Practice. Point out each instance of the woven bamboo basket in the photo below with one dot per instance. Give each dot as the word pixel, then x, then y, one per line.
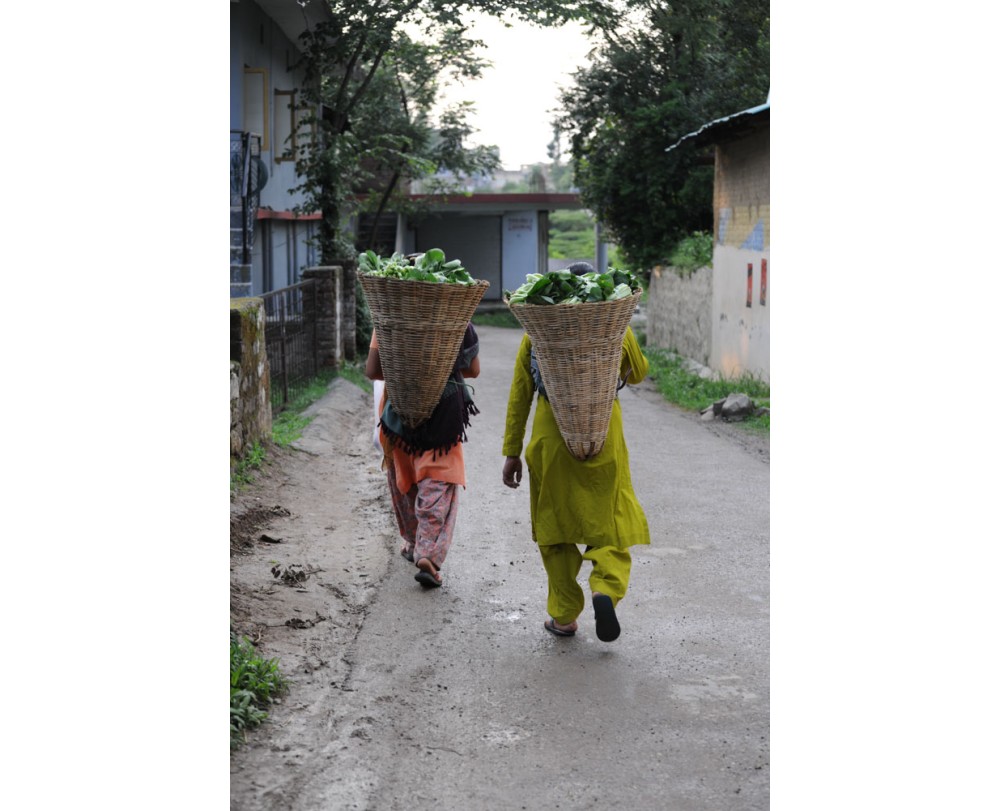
pixel 420 326
pixel 579 351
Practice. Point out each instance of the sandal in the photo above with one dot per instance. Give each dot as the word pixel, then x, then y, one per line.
pixel 605 619
pixel 428 576
pixel 550 626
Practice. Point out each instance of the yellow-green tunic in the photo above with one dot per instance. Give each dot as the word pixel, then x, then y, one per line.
pixel 579 502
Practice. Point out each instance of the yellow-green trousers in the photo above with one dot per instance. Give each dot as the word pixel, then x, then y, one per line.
pixel 562 562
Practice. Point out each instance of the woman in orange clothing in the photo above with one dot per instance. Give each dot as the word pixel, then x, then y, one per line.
pixel 425 466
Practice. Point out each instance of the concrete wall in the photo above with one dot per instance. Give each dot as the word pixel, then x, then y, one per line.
pixel 741 285
pixel 679 312
pixel 521 239
pixel 474 239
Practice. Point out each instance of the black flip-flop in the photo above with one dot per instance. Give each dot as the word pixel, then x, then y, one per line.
pixel 407 555
pixel 427 580
pixel 550 626
pixel 608 628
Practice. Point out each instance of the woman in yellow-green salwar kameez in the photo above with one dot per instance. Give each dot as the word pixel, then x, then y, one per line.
pixel 576 503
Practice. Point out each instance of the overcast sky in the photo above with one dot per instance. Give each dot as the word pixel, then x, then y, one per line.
pixel 514 97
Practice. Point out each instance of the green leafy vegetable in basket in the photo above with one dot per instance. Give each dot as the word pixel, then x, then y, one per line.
pixel 425 267
pixel 565 287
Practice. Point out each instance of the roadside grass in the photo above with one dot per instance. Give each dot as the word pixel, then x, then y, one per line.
pixel 243 474
pixel 289 424
pixel 356 374
pixel 497 318
pixel 688 390
pixel 254 683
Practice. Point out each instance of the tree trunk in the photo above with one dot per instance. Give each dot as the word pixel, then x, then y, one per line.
pixel 328 233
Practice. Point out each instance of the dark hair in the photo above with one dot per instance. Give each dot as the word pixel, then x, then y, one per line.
pixel 579 268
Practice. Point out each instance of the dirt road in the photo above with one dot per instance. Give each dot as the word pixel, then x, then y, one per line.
pixel 456 698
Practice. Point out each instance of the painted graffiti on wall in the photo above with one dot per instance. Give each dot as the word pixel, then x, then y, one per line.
pixel 744 227
pixel 755 239
pixel 763 283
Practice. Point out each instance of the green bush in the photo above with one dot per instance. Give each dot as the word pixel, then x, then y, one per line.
pixel 692 252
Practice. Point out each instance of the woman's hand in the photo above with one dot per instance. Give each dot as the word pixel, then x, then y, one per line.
pixel 472 370
pixel 512 471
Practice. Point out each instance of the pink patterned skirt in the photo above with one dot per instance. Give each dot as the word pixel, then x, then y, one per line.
pixel 426 516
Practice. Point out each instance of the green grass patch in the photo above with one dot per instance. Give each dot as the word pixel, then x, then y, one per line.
pixel 497 318
pixel 312 391
pixel 288 425
pixel 759 425
pixel 356 374
pixel 243 474
pixel 253 684
pixel 694 393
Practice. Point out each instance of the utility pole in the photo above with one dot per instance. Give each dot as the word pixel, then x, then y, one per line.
pixel 600 250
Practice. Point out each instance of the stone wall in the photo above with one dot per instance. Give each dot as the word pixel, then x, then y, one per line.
pixel 679 312
pixel 329 317
pixel 348 319
pixel 249 377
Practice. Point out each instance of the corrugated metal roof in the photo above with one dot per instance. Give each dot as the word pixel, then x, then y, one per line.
pixel 725 125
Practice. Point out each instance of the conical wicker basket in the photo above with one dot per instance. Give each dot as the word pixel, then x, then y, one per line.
pixel 420 326
pixel 579 351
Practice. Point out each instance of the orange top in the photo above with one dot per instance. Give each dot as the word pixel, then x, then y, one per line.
pixel 410 469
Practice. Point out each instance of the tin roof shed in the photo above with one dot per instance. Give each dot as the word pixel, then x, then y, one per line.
pixel 727 127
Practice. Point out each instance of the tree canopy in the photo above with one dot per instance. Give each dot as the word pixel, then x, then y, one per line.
pixel 373 72
pixel 662 74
